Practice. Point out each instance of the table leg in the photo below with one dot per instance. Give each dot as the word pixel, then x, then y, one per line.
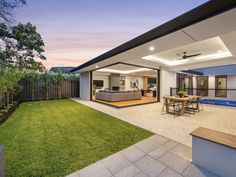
pixel 183 108
pixel 167 105
pixel 198 105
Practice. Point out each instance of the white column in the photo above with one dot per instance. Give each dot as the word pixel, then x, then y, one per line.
pixel 167 80
pixel 85 85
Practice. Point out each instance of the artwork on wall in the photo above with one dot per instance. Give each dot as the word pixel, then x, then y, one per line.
pixel 134 83
pixel 221 86
pixel 202 85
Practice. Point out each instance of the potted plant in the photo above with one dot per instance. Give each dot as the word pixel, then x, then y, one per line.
pixel 182 92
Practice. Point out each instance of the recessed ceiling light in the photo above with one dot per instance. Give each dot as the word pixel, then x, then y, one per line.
pixel 151 48
pixel 96 66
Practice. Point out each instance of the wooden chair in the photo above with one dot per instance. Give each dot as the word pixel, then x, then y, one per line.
pixel 175 107
pixel 197 105
pixel 190 106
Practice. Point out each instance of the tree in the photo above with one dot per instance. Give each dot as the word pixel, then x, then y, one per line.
pixel 9 82
pixel 7 8
pixel 46 76
pixel 3 83
pixel 15 75
pixel 22 47
pixel 57 79
pixel 32 77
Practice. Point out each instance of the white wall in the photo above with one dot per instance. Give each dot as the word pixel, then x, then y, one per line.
pixel 85 85
pixel 105 79
pixel 167 80
pixel 211 82
pixel 211 85
pixel 129 78
pixel 231 84
pixel 231 81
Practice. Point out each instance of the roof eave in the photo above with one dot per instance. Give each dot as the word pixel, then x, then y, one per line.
pixel 200 13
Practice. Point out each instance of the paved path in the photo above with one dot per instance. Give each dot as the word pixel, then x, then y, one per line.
pixel 156 156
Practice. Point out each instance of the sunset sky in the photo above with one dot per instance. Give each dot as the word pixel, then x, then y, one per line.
pixel 76 31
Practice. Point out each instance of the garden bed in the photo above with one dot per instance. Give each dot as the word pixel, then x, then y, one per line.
pixel 6 112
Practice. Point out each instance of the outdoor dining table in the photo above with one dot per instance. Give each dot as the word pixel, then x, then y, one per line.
pixel 183 101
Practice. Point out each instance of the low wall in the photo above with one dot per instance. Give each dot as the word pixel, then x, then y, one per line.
pixel 214 151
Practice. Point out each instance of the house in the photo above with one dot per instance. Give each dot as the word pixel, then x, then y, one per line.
pixel 171 55
pixel 63 69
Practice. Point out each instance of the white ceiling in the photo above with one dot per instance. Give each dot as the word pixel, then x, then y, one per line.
pixel 124 69
pixel 209 49
pixel 207 37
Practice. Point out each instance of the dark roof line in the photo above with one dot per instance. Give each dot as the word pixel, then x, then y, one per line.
pixel 200 13
pixel 192 72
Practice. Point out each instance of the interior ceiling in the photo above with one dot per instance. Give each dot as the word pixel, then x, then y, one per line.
pixel 209 37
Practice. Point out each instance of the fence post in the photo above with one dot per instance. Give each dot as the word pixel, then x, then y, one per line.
pixel 1 162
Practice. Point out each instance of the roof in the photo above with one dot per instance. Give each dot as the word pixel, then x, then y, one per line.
pixel 61 69
pixel 200 13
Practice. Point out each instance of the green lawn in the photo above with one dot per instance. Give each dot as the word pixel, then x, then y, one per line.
pixel 56 138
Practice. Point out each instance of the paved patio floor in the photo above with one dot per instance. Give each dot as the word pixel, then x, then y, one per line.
pixel 149 116
pixel 156 156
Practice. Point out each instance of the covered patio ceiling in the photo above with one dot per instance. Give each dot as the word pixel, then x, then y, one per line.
pixel 125 69
pixel 214 39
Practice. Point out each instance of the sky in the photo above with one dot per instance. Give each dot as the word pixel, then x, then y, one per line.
pixel 75 31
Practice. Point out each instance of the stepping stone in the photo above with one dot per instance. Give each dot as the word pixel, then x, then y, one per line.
pixel 158 139
pixel 115 163
pixel 95 170
pixel 146 146
pixel 169 173
pixel 158 152
pixel 129 171
pixel 183 151
pixel 141 174
pixel 132 153
pixel 174 162
pixel 150 166
pixel 170 144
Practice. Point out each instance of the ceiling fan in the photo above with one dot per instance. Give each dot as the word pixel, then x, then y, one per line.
pixel 185 56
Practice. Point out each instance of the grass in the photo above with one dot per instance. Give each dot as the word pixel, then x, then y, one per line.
pixel 58 137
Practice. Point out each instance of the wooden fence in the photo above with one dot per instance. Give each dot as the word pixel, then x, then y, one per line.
pixel 67 89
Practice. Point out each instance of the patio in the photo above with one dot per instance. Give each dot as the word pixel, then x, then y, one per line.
pixel 155 156
pixel 149 116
